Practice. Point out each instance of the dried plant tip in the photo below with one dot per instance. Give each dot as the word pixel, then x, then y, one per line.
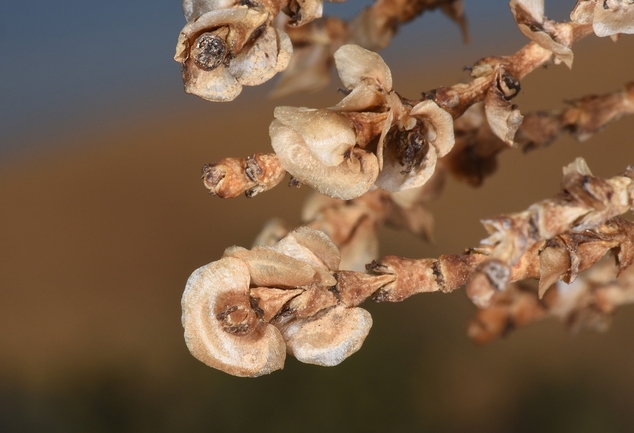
pixel 231 177
pixel 226 178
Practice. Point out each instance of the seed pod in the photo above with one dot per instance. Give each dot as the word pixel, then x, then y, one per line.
pixel 350 179
pixel 221 328
pixel 223 49
pixel 330 337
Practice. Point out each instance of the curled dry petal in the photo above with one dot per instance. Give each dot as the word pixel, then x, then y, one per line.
pixel 356 66
pixel 330 337
pixel 556 37
pixel 327 134
pixel 221 329
pixel 503 117
pixel 269 55
pixel 350 179
pixel 304 240
pixel 441 124
pixel 271 268
pixel 608 17
pixel 304 11
pixel 195 8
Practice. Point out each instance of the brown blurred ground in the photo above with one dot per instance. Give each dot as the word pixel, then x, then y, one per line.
pixel 99 236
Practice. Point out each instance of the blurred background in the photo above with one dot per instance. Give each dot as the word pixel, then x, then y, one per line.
pixel 103 217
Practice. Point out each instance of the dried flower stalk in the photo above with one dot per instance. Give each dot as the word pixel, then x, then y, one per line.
pixel 315 43
pixel 375 158
pixel 587 303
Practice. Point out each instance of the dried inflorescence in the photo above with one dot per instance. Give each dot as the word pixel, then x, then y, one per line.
pixel 373 137
pixel 242 313
pixel 585 203
pixel 227 44
pixel 474 156
pixel 587 303
pixel 377 158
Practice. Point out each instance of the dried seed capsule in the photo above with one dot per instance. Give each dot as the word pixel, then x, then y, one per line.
pixel 221 328
pixel 209 51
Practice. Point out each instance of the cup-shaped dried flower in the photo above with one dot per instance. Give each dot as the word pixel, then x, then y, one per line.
pixel 242 312
pixel 340 151
pixel 222 329
pixel 226 48
pixel 413 146
pixel 608 17
pixel 318 148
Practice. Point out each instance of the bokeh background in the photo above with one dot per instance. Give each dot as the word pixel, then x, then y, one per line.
pixel 103 217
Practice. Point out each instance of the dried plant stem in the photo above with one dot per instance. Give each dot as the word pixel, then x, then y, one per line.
pixel 503 72
pixel 587 304
pixel 545 259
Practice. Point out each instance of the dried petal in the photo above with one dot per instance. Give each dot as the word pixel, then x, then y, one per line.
pixel 357 66
pixel 269 54
pixel 249 352
pixel 556 37
pixel 329 338
pixel 338 181
pixel 608 17
pixel 441 122
pixel 327 134
pixel 195 8
pixel 503 117
pixel 270 268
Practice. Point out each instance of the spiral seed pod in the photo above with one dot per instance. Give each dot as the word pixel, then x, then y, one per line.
pixel 222 329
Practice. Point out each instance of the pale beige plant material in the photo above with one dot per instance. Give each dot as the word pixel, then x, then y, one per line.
pixel 608 17
pixel 585 202
pixel 377 158
pixel 242 313
pixel 353 225
pixel 373 137
pixel 226 45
